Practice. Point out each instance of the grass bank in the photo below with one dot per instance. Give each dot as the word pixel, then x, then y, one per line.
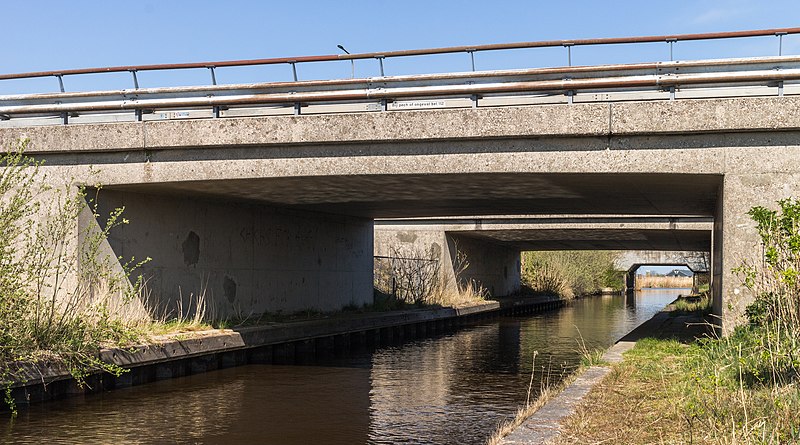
pixel 669 392
pixel 740 389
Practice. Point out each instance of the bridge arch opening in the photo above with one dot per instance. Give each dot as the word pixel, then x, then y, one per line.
pixel 666 275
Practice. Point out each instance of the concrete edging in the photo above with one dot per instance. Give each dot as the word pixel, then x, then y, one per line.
pixel 277 343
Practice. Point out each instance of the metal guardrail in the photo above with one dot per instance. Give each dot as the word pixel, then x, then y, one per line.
pixel 568 84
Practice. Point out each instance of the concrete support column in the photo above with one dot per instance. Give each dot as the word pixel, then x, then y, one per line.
pixel 630 280
pixel 735 236
pixel 244 258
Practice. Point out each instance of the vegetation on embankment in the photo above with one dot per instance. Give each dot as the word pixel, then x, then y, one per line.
pixel 743 388
pixel 413 277
pixel 61 298
pixel 570 273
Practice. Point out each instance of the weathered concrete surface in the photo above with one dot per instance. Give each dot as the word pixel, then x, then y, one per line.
pixel 245 258
pixel 495 268
pixel 591 119
pixel 738 239
pixel 694 260
pixel 713 158
pixel 491 266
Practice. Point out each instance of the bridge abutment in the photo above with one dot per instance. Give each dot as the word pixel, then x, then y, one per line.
pixel 735 237
pixel 244 258
pixel 463 260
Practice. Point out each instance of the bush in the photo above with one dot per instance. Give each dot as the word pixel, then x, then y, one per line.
pixel 570 273
pixel 61 299
pixel 773 352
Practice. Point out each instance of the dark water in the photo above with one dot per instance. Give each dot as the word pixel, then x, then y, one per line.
pixel 451 389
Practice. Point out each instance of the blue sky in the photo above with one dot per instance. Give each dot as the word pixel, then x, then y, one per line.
pixel 48 35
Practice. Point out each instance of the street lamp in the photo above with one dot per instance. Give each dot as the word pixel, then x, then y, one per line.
pixel 352 62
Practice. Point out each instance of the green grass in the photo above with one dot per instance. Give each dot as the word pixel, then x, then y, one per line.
pixel 669 392
pixel 702 305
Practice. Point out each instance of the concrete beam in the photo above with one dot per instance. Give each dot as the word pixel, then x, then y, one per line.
pixel 696 261
pixel 573 233
pixel 588 119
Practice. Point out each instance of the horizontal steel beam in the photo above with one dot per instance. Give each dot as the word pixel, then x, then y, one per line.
pixel 658 81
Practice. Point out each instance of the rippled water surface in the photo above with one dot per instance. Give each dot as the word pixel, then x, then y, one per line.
pixel 449 389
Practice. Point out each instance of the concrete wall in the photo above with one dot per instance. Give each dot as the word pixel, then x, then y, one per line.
pixel 739 241
pixel 490 265
pixel 249 258
pixel 495 267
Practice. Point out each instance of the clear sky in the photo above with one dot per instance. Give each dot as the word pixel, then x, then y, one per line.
pixel 49 35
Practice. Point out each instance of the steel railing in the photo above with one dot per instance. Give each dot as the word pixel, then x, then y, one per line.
pixel 378 92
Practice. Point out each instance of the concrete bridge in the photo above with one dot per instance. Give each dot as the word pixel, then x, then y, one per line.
pixel 271 211
pixel 493 244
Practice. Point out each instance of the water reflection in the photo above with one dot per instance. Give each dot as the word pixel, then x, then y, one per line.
pixel 451 389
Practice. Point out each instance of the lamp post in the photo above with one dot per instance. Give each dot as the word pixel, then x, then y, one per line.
pixel 352 62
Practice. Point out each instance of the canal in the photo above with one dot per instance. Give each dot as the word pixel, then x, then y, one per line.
pixel 453 388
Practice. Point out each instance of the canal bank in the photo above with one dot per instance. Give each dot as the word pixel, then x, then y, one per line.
pixel 545 425
pixel 288 343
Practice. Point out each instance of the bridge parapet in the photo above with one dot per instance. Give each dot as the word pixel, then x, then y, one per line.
pixel 668 80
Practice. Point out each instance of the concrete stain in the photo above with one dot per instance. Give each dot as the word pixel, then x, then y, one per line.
pixel 229 288
pixel 191 249
pixel 406 237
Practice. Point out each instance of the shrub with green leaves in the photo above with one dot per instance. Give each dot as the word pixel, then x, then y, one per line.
pixel 773 352
pixel 60 295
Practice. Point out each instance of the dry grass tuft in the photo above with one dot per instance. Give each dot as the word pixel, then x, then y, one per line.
pixel 646 282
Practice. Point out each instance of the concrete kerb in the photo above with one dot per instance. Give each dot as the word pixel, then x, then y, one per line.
pixel 229 347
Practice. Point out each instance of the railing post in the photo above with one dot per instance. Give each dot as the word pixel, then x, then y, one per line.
pixel 569 46
pixel 135 80
pixel 294 70
pixel 213 75
pixel 780 35
pixel 474 99
pixel 60 82
pixel 472 57
pixel 671 41
pixel 137 113
pixel 380 64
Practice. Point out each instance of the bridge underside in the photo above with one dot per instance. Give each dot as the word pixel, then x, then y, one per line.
pixel 469 193
pixel 598 239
